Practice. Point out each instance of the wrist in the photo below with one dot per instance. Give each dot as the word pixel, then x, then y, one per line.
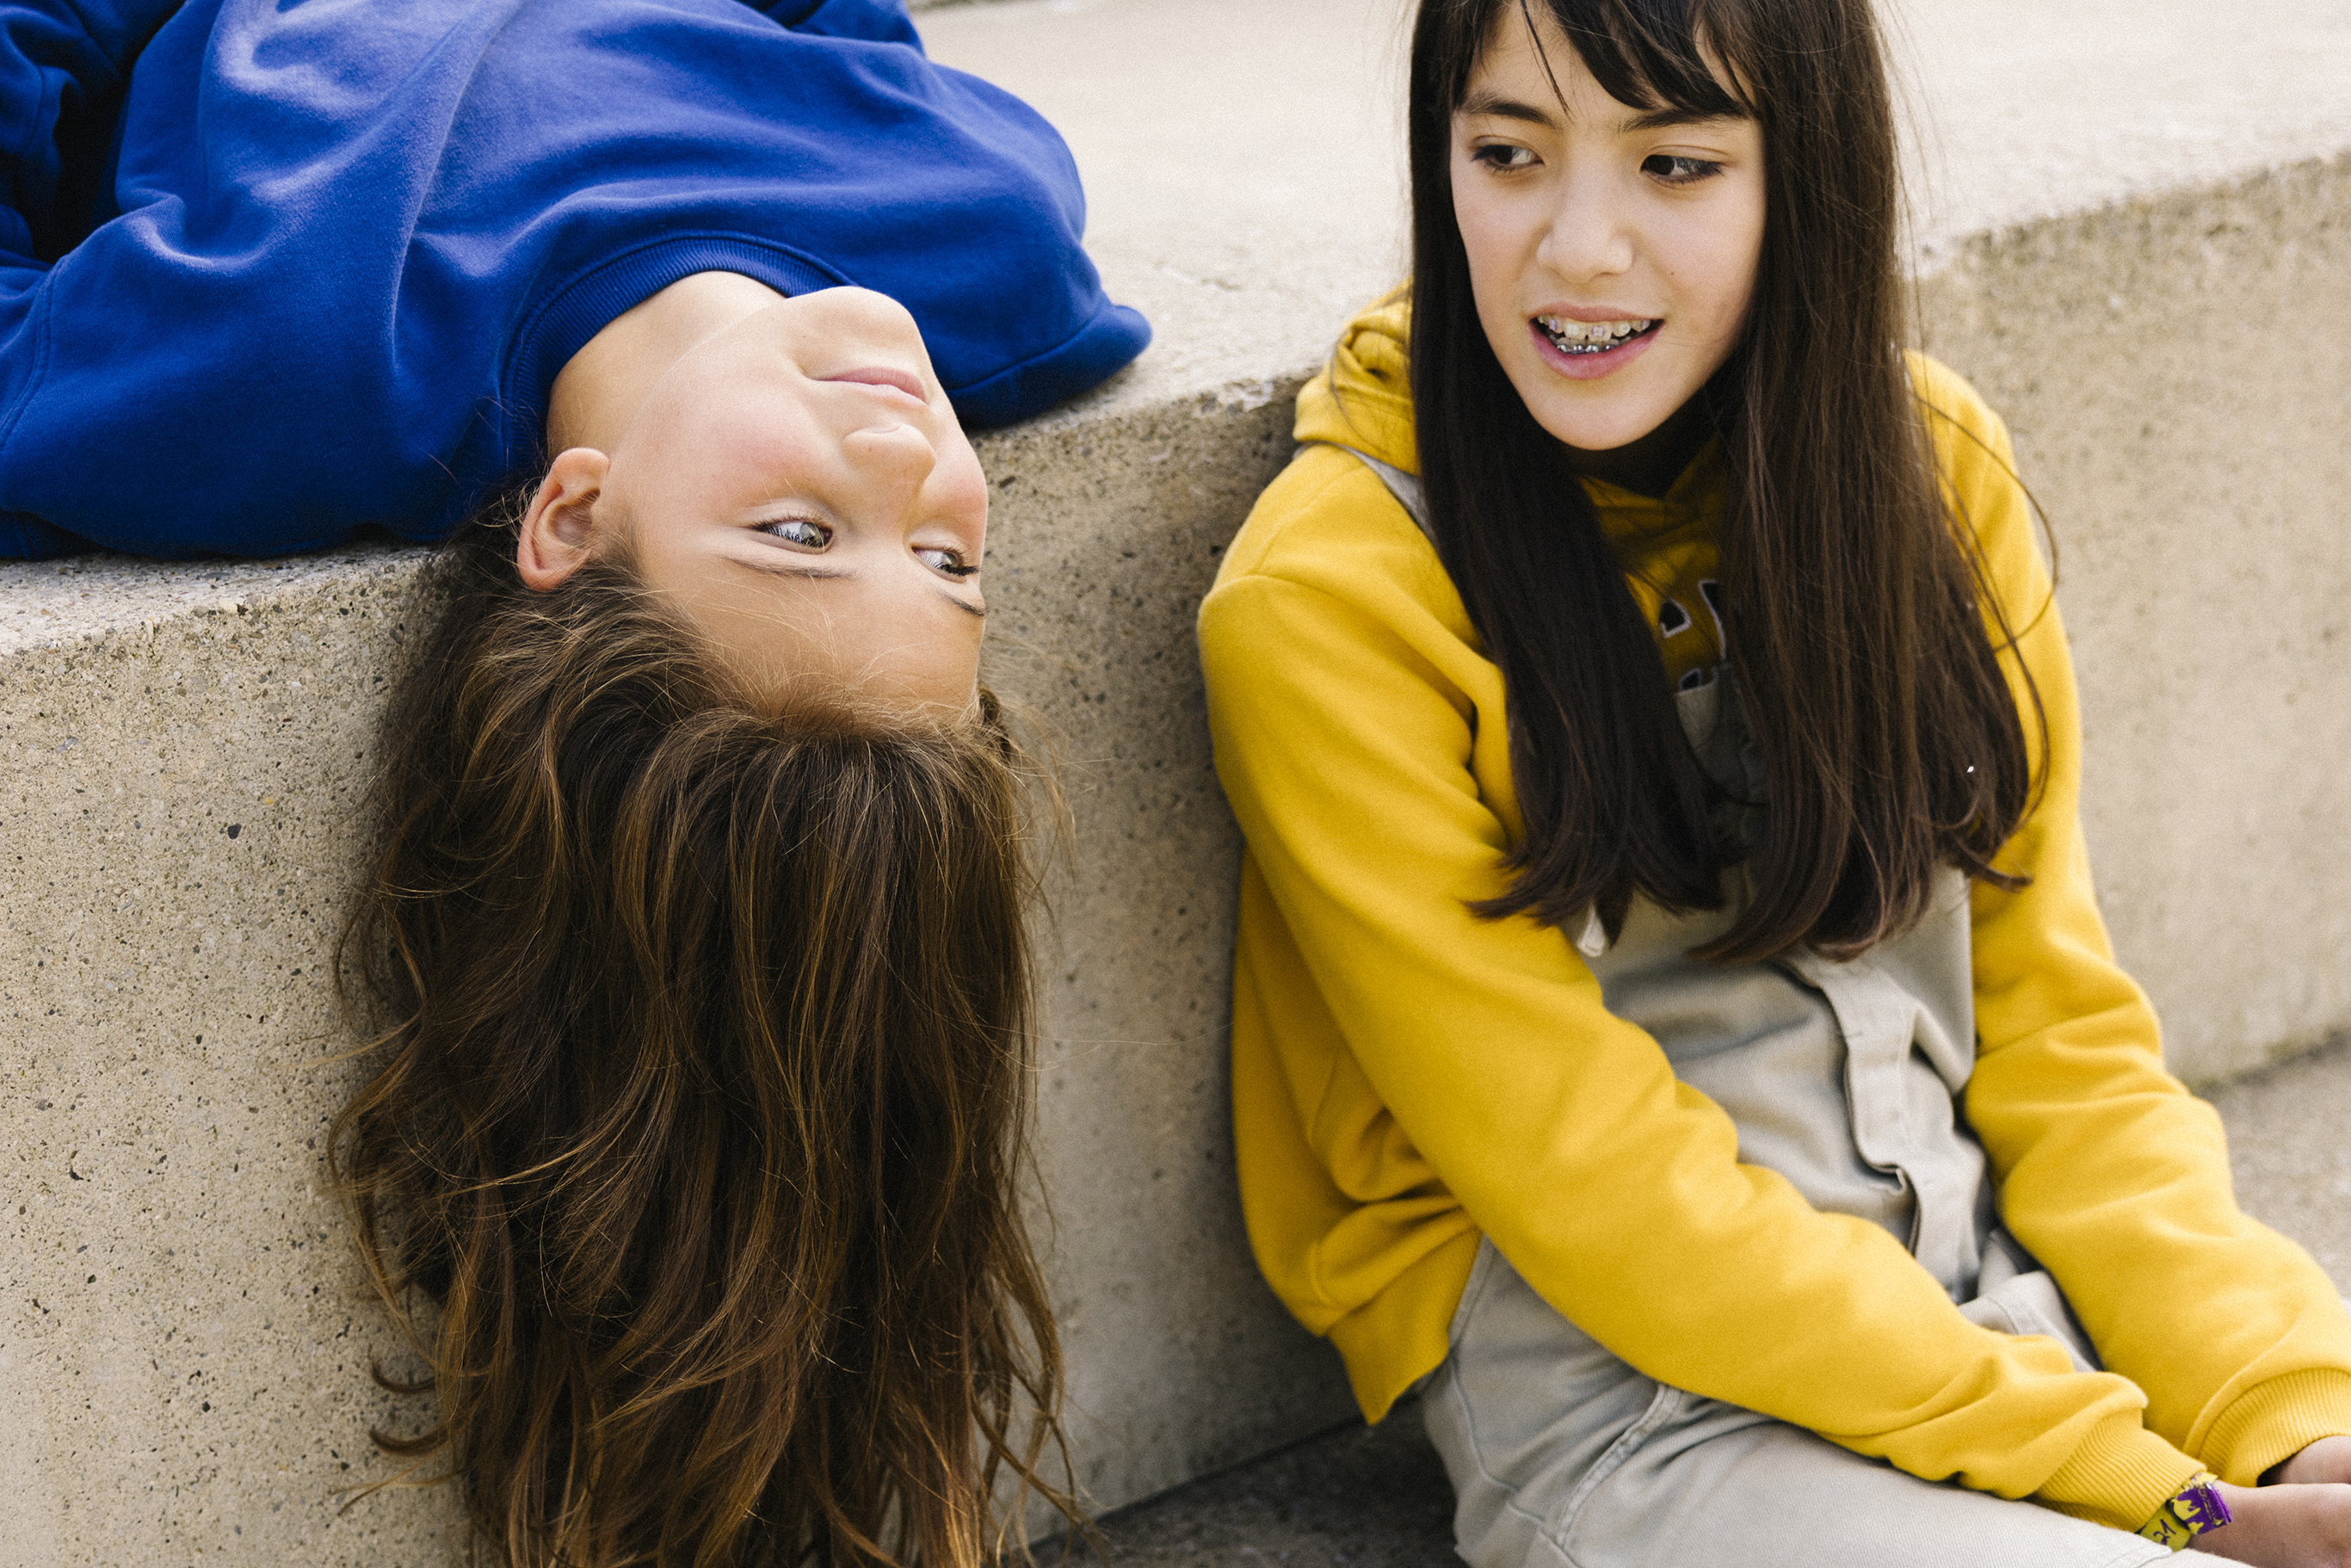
pixel 2188 1512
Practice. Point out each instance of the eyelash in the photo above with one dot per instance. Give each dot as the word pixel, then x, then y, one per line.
pixel 947 562
pixel 1494 156
pixel 1696 168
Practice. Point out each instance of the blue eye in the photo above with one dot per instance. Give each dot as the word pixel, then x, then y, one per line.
pixel 799 531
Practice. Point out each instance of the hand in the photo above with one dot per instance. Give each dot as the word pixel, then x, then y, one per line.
pixel 2328 1460
pixel 2306 1526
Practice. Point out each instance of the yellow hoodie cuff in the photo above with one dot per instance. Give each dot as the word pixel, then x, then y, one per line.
pixel 2119 1476
pixel 2275 1420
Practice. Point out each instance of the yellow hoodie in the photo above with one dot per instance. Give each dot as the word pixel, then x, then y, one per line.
pixel 1408 1077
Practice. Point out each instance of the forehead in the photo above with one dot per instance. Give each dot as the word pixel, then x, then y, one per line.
pixel 1662 60
pixel 1538 67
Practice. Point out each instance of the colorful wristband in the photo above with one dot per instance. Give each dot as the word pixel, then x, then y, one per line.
pixel 2187 1513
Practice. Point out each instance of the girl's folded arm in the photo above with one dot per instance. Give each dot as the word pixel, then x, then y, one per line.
pixel 1615 1190
pixel 63 68
pixel 2111 1173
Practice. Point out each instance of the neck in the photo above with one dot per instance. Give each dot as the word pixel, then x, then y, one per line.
pixel 598 392
pixel 1650 465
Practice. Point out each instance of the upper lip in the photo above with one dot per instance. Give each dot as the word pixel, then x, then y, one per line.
pixel 884 376
pixel 1590 313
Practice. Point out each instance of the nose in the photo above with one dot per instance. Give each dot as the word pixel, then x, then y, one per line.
pixel 894 459
pixel 1587 235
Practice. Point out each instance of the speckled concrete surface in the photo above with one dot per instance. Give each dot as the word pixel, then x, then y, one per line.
pixel 1180 1360
pixel 1359 1497
pixel 2203 581
pixel 182 1348
pixel 166 1247
pixel 2020 110
pixel 2290 1141
pixel 52 605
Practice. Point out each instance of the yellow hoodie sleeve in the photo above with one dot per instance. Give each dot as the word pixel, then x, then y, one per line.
pixel 2109 1171
pixel 1344 705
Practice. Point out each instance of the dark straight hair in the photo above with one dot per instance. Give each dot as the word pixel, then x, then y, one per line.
pixel 1854 599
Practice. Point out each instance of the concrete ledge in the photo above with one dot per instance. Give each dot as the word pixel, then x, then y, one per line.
pixel 2202 577
pixel 181 1343
pixel 181 1365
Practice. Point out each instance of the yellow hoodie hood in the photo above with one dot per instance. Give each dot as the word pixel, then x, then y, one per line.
pixel 1363 398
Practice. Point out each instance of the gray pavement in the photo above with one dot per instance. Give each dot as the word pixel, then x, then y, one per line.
pixel 1377 1497
pixel 1361 1497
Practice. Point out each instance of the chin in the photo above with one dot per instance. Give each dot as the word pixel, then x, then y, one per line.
pixel 1595 425
pixel 1588 434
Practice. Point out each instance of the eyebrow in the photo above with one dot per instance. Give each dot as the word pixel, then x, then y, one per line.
pixel 793 569
pixel 1497 108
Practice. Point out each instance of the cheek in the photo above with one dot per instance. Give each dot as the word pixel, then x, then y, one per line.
pixel 1490 240
pixel 1711 278
pixel 767 439
pixel 1727 253
pixel 733 449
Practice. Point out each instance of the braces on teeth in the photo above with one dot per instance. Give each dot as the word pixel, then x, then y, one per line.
pixel 1590 337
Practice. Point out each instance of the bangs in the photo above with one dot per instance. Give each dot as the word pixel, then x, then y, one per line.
pixel 1648 54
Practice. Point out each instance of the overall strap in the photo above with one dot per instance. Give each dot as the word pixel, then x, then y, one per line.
pixel 1403 487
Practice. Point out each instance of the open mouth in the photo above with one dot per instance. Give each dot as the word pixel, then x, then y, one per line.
pixel 1592 337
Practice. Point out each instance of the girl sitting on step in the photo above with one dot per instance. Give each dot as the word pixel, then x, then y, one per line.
pixel 1672 1028
pixel 695 922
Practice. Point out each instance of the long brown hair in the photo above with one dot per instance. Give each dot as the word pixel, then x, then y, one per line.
pixel 701 1109
pixel 1855 606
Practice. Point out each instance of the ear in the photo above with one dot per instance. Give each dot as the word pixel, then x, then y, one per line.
pixel 558 528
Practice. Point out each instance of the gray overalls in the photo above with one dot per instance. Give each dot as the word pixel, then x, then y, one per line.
pixel 1845 1079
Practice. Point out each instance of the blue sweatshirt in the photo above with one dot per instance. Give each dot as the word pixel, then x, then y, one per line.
pixel 275 271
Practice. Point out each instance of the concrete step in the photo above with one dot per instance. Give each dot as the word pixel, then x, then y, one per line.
pixel 1377 1497
pixel 2138 234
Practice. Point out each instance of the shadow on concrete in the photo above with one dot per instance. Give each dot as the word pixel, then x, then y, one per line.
pixel 1359 1497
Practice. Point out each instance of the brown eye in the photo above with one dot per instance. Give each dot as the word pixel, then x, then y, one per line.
pixel 1675 169
pixel 945 561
